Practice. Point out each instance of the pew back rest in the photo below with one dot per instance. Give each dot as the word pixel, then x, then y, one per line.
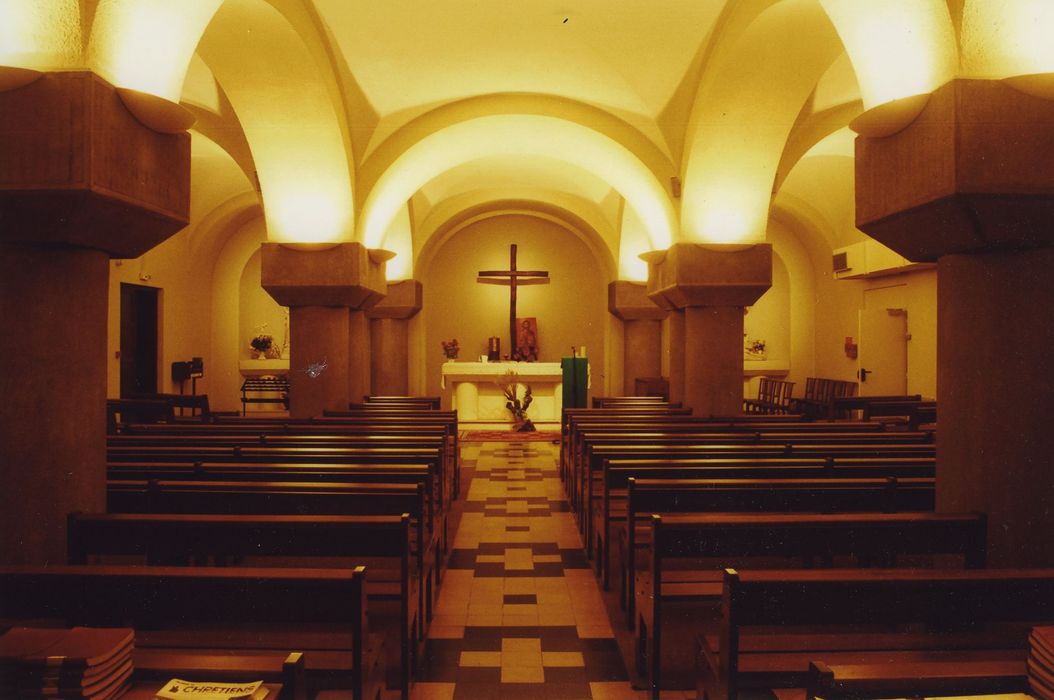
pixel 877 536
pixel 162 537
pixel 150 598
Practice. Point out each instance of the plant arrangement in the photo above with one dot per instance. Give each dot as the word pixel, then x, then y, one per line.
pixel 754 349
pixel 261 344
pixel 508 384
pixel 450 348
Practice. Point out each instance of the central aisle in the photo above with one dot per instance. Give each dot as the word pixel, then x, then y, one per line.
pixel 520 614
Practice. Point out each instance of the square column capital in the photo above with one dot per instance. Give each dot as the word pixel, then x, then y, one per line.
pixel 344 274
pixel 78 169
pixel 694 274
pixel 403 300
pixel 628 301
pixel 971 173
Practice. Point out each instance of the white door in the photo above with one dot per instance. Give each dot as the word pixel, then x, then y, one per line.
pixel 883 355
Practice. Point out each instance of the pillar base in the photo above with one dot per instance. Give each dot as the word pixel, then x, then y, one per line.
pixel 53 435
pixel 995 390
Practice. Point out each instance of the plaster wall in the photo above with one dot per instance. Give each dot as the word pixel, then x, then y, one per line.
pixel 185 314
pixel 571 309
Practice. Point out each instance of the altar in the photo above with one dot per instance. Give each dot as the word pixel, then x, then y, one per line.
pixel 472 389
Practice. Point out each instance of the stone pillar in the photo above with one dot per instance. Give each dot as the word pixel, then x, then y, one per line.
pixel 641 330
pixel 969 184
pixel 323 286
pixel 676 355
pixel 359 352
pixel 389 338
pixel 712 284
pixel 81 181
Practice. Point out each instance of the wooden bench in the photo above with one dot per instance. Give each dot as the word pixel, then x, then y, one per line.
pixel 303 433
pixel 254 617
pixel 431 403
pixel 659 451
pixel 610 513
pixel 820 395
pixel 686 554
pixel 774 396
pixel 631 402
pixel 903 624
pixel 253 388
pixel 647 497
pixel 394 588
pixel 287 498
pixel 366 451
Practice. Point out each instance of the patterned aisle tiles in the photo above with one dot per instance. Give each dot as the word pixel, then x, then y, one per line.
pixel 520 616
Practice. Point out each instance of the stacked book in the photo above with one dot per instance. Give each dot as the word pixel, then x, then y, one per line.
pixel 1041 662
pixel 62 664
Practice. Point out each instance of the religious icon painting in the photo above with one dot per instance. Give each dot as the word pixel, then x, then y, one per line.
pixel 526 340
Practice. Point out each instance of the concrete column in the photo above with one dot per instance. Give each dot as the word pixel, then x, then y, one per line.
pixel 643 351
pixel 389 338
pixel 359 351
pixel 318 360
pixel 968 183
pixel 677 356
pixel 326 288
pixel 710 285
pixel 389 355
pixel 641 328
pixel 713 360
pixel 81 180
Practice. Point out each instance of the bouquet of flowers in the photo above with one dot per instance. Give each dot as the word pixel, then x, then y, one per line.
pixel 261 344
pixel 508 384
pixel 450 348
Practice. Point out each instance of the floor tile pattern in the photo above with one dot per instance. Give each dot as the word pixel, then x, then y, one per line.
pixel 520 615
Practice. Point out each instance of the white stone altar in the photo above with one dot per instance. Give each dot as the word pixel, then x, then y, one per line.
pixel 472 389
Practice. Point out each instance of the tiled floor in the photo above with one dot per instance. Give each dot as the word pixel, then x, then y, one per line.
pixel 520 616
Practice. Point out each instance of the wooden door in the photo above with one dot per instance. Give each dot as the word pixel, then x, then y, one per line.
pixel 883 360
pixel 139 336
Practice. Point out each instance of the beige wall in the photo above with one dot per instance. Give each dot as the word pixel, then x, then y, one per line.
pixel 185 314
pixel 258 313
pixel 571 310
pixel 837 311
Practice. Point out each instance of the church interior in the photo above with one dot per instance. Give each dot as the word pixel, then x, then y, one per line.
pixel 269 260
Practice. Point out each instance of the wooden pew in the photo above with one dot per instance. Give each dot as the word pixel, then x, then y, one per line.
pixel 253 616
pixel 431 403
pixel 610 513
pixel 364 452
pixel 631 402
pixel 287 498
pixel 907 626
pixel 647 497
pixel 593 436
pixel 588 481
pixel 774 396
pixel 793 540
pixel 270 432
pixel 395 592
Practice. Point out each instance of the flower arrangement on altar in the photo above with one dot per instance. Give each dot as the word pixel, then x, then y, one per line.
pixel 450 348
pixel 509 384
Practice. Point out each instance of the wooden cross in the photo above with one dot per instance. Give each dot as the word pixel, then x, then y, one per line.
pixel 513 278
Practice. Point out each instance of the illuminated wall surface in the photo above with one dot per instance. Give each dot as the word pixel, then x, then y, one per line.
pixel 264 57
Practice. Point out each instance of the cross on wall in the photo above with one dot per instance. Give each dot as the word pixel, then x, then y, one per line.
pixel 513 278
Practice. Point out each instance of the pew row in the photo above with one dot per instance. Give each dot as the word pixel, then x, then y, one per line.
pixel 685 554
pixel 254 617
pixel 909 627
pixel 393 585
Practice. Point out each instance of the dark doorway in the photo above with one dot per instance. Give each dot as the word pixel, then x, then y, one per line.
pixel 138 340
